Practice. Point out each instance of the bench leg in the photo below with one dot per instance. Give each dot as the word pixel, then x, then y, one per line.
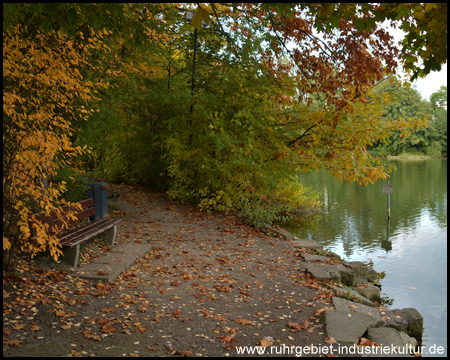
pixel 109 235
pixel 71 255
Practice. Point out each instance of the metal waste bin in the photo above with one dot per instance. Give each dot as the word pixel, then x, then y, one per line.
pixel 98 192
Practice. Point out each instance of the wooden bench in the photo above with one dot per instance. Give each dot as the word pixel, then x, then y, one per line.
pixel 71 239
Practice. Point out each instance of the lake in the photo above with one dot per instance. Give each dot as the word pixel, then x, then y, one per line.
pixel 410 248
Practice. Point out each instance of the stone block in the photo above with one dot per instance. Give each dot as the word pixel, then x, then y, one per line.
pixel 360 280
pixel 323 272
pixel 309 244
pixel 342 292
pixel 347 275
pixel 314 258
pixel 371 292
pixel 372 275
pixel 350 306
pixel 386 336
pixel 358 267
pixel 285 233
pixel 337 273
pixel 407 320
pixel 347 327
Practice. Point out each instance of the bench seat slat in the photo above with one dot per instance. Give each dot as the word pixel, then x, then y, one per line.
pixel 54 219
pixel 44 217
pixel 82 234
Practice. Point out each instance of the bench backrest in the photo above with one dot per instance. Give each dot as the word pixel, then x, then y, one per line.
pixel 54 219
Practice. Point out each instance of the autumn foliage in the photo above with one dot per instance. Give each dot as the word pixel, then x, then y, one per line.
pixel 44 97
pixel 277 89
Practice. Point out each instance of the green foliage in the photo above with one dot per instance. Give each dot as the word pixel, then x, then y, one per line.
pixel 289 201
pixel 69 18
pixel 429 139
pixel 439 98
pixel 75 183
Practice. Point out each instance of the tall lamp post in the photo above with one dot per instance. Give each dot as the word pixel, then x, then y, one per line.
pixel 189 15
pixel 198 19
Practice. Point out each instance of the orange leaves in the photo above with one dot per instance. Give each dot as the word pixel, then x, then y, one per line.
pixel 183 353
pixel 224 288
pixel 367 342
pixel 14 343
pixel 108 310
pixel 108 329
pixel 244 322
pixel 220 318
pixel 229 339
pixel 19 326
pixel 89 335
pixel 62 313
pixel 34 328
pixel 265 342
pixel 294 327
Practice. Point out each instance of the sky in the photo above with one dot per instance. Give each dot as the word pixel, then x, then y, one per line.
pixel 431 83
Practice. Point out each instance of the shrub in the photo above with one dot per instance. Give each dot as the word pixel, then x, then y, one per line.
pixel 75 181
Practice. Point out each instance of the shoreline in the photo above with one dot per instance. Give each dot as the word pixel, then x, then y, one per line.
pixel 357 313
pixel 412 157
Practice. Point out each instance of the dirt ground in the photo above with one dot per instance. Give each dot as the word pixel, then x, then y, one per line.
pixel 209 286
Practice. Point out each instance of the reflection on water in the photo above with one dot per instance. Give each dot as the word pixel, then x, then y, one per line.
pixel 410 247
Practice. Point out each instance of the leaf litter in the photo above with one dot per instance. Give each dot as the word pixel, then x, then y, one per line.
pixel 208 271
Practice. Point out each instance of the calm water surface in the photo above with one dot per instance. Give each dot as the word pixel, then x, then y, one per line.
pixel 410 248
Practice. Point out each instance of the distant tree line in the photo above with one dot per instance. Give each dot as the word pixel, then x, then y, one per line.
pixel 429 140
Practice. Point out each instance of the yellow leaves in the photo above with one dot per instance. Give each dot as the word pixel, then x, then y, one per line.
pixel 43 96
pixel 6 243
pixel 25 231
pixel 200 16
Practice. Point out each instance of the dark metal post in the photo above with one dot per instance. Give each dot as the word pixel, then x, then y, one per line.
pixel 192 88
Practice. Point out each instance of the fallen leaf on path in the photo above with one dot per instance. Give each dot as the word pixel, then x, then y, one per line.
pixel 75 353
pixel 219 318
pixel 88 335
pixel 108 328
pixel 184 353
pixel 296 327
pixel 265 342
pixel 223 288
pixel 19 326
pixel 108 310
pixel 35 328
pixel 228 339
pixel 14 343
pixel 367 342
